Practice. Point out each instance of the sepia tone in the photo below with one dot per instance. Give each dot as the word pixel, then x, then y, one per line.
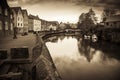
pixel 59 40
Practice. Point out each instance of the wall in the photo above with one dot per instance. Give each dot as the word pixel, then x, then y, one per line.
pixel 4 19
pixel 30 25
pixel 37 25
pixel 25 22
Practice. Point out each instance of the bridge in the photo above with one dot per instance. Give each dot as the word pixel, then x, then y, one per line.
pixel 67 32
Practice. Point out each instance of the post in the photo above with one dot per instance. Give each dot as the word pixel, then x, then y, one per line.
pixel 15 33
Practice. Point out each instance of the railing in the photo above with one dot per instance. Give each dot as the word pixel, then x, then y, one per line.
pixel 47 34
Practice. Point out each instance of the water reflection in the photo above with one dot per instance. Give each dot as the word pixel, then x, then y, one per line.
pixel 78 59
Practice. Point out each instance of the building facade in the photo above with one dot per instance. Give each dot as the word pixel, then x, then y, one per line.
pixel 34 23
pixel 25 21
pixel 112 22
pixel 53 25
pixel 43 25
pixel 18 19
pixel 62 26
pixel 5 28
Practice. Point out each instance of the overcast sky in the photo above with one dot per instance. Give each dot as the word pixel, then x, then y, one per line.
pixel 63 10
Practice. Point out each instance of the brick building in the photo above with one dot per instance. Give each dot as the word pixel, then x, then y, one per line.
pixel 5 18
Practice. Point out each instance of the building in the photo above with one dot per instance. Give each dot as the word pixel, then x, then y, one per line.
pixel 53 25
pixel 73 25
pixel 34 23
pixel 43 25
pixel 25 21
pixel 5 13
pixel 62 26
pixel 18 18
pixel 112 22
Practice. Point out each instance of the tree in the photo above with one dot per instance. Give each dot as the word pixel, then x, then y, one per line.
pixel 87 21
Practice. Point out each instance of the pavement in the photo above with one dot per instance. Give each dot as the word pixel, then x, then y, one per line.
pixel 22 41
pixel 43 63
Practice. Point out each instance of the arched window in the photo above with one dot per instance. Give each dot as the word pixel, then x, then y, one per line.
pixel 6 12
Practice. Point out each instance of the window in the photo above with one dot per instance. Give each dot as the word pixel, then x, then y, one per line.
pixel 6 12
pixel 19 12
pixel 18 18
pixel 18 24
pixel 115 23
pixel 11 16
pixel 107 23
pixel 0 25
pixel 11 27
pixel 111 25
pixel 0 9
pixel 6 25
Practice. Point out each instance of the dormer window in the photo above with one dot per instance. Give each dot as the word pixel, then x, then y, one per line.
pixel 6 12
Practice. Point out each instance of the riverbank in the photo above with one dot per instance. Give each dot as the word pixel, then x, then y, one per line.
pixel 111 35
pixel 40 67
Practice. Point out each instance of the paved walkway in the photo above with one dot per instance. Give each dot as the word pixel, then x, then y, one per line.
pixel 21 41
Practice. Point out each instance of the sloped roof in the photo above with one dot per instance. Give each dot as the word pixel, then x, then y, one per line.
pixel 4 4
pixel 114 18
pixel 16 9
pixel 24 11
pixel 33 17
pixel 54 23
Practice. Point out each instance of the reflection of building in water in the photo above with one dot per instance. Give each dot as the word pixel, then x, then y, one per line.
pixel 62 37
pixel 111 50
pixel 84 47
pixel 52 39
pixel 66 52
pixel 89 49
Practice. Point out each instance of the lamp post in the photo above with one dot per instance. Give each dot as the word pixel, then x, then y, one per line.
pixel 15 33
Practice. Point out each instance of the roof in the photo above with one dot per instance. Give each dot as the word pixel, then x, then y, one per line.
pixel 4 4
pixel 54 22
pixel 33 17
pixel 114 18
pixel 24 11
pixel 16 9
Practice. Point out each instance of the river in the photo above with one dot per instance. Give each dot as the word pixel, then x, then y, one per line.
pixel 79 59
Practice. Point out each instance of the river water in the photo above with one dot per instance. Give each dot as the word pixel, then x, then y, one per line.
pixel 79 59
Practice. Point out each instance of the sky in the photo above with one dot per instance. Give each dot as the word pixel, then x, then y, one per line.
pixel 64 10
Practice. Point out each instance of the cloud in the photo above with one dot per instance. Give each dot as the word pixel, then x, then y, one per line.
pixel 100 3
pixel 95 3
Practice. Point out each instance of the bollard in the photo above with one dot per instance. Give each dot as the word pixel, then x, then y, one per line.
pixel 19 53
pixel 3 54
